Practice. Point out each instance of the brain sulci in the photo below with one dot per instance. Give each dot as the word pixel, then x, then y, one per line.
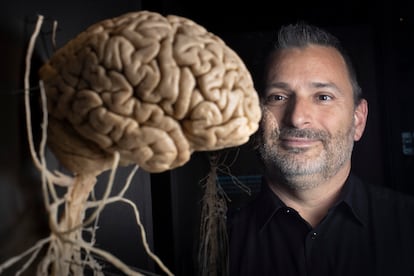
pixel 153 88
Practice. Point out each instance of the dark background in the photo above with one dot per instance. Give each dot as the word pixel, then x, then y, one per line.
pixel 378 35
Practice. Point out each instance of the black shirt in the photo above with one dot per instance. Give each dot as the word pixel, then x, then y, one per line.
pixel 370 231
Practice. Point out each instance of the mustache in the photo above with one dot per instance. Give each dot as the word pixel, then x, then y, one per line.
pixel 288 132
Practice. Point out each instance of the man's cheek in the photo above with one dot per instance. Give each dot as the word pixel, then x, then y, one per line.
pixel 269 125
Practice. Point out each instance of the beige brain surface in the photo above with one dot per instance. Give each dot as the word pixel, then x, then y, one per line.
pixel 153 88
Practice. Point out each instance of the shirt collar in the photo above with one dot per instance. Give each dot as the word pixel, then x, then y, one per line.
pixel 353 197
pixel 356 198
pixel 269 204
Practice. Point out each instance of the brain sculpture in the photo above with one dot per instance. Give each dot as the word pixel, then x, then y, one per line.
pixel 153 88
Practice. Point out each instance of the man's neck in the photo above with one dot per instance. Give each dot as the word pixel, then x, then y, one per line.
pixel 314 202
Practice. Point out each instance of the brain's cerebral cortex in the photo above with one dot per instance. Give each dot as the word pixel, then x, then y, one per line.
pixel 153 88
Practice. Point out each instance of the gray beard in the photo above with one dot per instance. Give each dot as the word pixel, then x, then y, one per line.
pixel 291 168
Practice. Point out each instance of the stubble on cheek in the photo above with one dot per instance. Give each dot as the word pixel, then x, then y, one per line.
pixel 269 127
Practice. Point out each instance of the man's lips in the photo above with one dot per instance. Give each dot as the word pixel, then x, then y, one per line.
pixel 297 142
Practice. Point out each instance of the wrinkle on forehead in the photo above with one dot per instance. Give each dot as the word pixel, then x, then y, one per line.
pixel 312 66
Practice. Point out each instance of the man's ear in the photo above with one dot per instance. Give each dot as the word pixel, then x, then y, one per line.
pixel 360 115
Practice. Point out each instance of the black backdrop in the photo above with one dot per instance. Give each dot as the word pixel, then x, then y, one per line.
pixel 377 33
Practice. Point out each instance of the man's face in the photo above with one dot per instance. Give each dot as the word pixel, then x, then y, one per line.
pixel 310 121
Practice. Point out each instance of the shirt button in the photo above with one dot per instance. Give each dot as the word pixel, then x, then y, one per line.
pixel 287 211
pixel 314 235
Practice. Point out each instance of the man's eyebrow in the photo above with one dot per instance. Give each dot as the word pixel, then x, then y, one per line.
pixel 285 86
pixel 329 85
pixel 282 85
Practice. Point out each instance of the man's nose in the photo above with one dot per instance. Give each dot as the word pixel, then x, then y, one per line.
pixel 298 113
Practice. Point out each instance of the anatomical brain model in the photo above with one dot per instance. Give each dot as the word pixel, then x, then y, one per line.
pixel 153 88
pixel 139 89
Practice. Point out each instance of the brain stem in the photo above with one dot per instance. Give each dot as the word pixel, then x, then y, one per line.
pixel 71 226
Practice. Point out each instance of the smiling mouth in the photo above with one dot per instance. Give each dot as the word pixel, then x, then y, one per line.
pixel 297 142
pixel 301 139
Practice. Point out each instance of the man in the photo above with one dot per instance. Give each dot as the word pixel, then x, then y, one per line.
pixel 313 216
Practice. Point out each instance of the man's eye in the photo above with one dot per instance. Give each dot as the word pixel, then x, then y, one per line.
pixel 274 99
pixel 324 98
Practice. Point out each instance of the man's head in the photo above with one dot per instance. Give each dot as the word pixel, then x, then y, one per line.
pixel 301 35
pixel 313 109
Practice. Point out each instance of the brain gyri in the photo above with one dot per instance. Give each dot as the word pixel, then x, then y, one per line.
pixel 153 88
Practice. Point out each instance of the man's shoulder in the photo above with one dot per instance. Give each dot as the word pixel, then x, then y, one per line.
pixel 390 195
pixel 244 210
pixel 380 206
pixel 388 199
pixel 246 213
